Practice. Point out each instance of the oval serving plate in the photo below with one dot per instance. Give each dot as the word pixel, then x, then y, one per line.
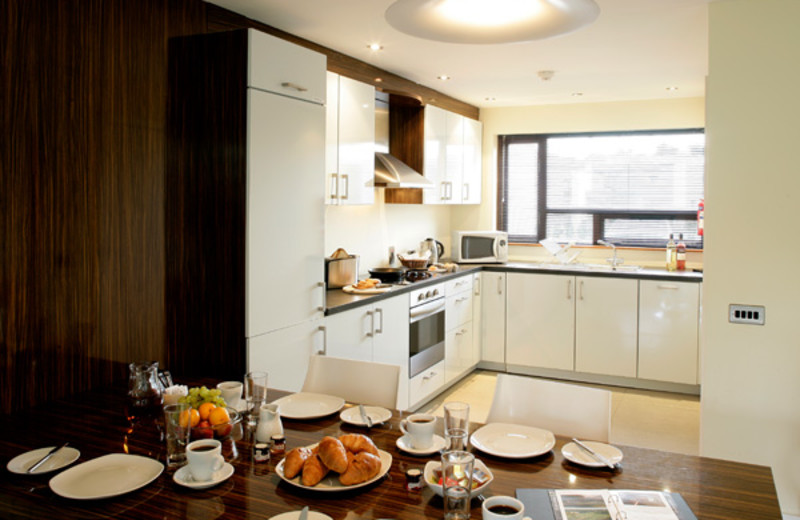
pixel 331 482
pixel 106 476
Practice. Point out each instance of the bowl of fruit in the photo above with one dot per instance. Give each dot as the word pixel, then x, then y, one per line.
pixel 208 417
pixel 481 477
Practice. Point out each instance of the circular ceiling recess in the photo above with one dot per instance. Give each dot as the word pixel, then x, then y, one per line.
pixel 487 22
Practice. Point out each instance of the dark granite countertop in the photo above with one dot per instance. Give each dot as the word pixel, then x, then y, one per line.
pixel 339 301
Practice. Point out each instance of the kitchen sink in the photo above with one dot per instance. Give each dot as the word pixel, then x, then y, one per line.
pixel 590 267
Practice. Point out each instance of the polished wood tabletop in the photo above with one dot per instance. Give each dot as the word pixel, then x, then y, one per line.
pixel 95 424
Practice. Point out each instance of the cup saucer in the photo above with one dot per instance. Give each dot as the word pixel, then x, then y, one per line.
pixel 404 444
pixel 184 477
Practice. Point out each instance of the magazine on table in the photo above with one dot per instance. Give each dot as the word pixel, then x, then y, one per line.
pixel 604 504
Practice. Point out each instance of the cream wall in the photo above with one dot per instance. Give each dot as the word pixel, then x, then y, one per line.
pixel 368 231
pixel 578 117
pixel 751 374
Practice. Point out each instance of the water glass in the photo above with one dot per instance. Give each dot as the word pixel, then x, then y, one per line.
pixel 255 394
pixel 457 467
pixel 456 425
pixel 176 433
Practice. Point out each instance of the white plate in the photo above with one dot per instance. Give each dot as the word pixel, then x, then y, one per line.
pixel 378 415
pixel 305 405
pixel 436 465
pixel 404 444
pixel 62 458
pixel 184 477
pixel 512 441
pixel 106 476
pixel 331 481
pixel 294 515
pixel 574 453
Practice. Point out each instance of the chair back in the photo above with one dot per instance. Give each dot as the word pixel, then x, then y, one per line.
pixel 564 409
pixel 361 382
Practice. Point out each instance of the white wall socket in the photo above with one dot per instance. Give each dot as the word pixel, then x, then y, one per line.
pixel 749 314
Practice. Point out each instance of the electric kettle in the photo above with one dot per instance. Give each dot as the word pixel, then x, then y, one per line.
pixel 435 248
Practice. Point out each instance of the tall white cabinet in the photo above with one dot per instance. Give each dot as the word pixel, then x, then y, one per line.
pixel 493 320
pixel 246 124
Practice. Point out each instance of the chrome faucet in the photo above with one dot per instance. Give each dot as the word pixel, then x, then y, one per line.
pixel 613 261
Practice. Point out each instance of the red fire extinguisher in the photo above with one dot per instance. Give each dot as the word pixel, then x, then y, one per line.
pixel 700 208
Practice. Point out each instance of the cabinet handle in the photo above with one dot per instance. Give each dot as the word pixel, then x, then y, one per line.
pixel 465 192
pixel 429 376
pixel 477 286
pixel 295 86
pixel 321 308
pixel 449 191
pixel 371 332
pixel 346 179
pixel 379 330
pixel 461 332
pixel 334 186
pixel 324 331
pixel 569 289
pixel 443 191
pixel 462 299
pixel 581 289
pixel 499 285
pixel 668 286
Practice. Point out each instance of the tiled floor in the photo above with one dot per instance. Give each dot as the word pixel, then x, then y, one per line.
pixel 646 419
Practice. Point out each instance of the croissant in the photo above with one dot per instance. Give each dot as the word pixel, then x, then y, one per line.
pixel 293 463
pixel 357 443
pixel 332 453
pixel 363 467
pixel 313 470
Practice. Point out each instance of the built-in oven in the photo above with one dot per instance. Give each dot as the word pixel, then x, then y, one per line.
pixel 426 329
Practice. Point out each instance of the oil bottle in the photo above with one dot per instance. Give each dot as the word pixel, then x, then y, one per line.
pixel 672 254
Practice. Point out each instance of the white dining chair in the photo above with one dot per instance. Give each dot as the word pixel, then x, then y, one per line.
pixel 564 409
pixel 361 382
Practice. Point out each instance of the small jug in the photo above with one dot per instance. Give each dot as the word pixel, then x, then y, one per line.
pixel 269 422
pixel 145 391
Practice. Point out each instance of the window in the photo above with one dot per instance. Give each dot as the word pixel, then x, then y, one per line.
pixel 629 188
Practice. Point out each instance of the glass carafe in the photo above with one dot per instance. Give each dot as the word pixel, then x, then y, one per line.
pixel 145 392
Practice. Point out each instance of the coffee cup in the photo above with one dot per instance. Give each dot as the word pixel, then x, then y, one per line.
pixel 502 508
pixel 204 458
pixel 231 392
pixel 418 429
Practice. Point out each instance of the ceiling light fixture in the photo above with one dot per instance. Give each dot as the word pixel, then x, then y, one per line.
pixel 498 21
pixel 443 77
pixel 375 47
pixel 672 88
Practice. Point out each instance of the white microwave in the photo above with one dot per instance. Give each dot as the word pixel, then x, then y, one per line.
pixel 480 247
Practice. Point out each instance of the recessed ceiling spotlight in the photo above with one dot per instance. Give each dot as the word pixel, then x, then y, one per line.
pixel 443 77
pixel 482 22
pixel 672 89
pixel 378 80
pixel 577 94
pixel 491 99
pixel 546 75
pixel 375 47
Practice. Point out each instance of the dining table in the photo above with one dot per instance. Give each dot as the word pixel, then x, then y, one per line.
pixel 96 424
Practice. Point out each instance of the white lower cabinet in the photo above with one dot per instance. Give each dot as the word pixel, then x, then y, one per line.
pixel 540 326
pixel 606 325
pixel 668 331
pixel 426 384
pixel 377 332
pixel 284 353
pixel 477 312
pixel 493 320
pixel 458 329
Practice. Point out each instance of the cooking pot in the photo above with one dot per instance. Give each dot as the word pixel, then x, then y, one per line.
pixel 388 274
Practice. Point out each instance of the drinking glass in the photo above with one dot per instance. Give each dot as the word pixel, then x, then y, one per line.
pixel 457 467
pixel 255 394
pixel 176 433
pixel 456 425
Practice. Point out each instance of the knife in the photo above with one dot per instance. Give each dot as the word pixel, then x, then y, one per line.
pixel 364 416
pixel 46 457
pixel 595 455
pixel 303 513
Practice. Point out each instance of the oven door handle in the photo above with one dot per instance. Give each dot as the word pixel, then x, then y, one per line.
pixel 426 309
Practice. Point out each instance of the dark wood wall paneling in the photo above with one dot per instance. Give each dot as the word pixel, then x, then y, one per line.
pixel 83 274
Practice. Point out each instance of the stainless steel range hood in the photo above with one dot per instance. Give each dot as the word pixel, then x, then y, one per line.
pixel 391 172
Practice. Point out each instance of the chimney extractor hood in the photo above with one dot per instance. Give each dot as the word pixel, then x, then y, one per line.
pixel 391 172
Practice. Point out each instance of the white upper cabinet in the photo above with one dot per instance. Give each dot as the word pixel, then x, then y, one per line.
pixel 452 157
pixel 473 162
pixel 284 68
pixel 350 141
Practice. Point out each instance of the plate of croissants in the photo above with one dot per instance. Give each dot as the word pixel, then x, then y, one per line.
pixel 335 464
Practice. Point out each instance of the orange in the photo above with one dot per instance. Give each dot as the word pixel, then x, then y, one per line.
pixel 189 417
pixel 205 410
pixel 219 416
